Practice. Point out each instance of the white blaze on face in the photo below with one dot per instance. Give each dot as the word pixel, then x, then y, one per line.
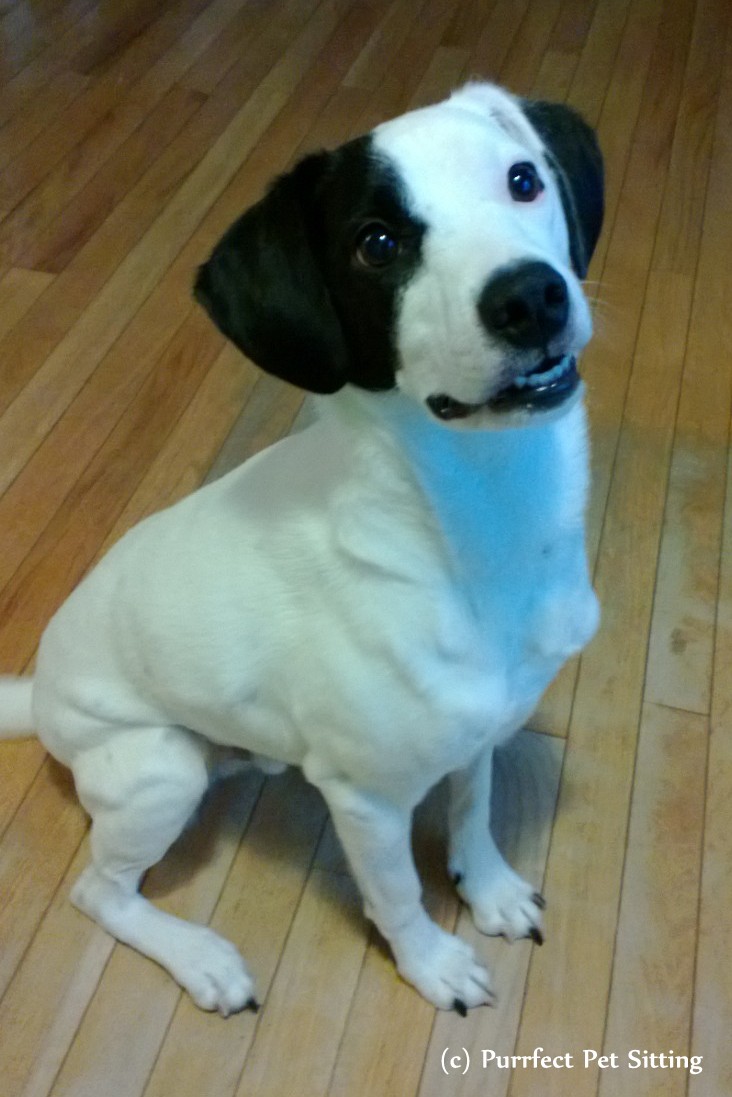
pixel 454 159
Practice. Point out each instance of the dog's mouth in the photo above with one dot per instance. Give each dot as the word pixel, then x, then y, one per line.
pixel 539 389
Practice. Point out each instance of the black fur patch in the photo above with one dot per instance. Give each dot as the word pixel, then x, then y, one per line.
pixel 362 188
pixel 284 285
pixel 576 160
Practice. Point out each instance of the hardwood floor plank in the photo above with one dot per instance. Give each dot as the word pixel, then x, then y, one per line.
pixel 392 34
pixel 36 850
pixel 564 48
pixel 123 26
pixel 311 991
pixel 66 957
pixel 713 982
pixel 46 105
pixel 713 990
pixel 46 242
pixel 29 36
pixel 653 971
pixel 21 762
pixel 494 43
pixel 598 58
pixel 523 60
pixel 682 632
pixel 640 60
pixel 233 42
pixel 396 89
pixel 19 290
pixel 89 110
pixel 27 347
pixel 37 77
pixel 150 106
pixel 631 240
pixel 444 72
pixel 468 23
pixel 572 26
pixel 118 133
pixel 677 247
pixel 256 911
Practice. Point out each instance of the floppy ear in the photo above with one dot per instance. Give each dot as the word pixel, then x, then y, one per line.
pixel 263 288
pixel 576 160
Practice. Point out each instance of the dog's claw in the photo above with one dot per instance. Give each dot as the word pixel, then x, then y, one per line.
pixel 536 935
pixel 459 1006
pixel 253 1005
pixel 539 900
pixel 456 878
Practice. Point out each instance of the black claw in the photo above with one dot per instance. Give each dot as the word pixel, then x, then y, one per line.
pixel 536 935
pixel 456 878
pixel 539 900
pixel 459 1006
pixel 253 1005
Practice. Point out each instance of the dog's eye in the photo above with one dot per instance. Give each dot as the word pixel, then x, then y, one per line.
pixel 524 182
pixel 376 246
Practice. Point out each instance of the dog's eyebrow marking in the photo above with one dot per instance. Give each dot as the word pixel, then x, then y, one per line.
pixel 514 127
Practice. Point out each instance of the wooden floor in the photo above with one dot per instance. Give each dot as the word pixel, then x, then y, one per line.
pixel 131 134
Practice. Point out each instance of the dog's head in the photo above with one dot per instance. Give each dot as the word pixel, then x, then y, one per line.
pixel 441 254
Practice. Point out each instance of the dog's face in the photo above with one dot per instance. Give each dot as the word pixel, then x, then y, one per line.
pixel 441 254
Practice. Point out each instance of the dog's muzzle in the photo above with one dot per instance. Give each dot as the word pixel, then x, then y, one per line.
pixel 540 389
pixel 525 307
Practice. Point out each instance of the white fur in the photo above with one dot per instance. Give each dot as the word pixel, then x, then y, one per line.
pixel 379 600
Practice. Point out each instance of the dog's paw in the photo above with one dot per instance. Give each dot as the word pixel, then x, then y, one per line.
pixel 503 905
pixel 446 972
pixel 212 971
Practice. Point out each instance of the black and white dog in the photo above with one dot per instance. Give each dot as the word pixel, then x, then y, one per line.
pixel 382 598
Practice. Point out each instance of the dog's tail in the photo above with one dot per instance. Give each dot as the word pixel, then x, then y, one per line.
pixel 16 717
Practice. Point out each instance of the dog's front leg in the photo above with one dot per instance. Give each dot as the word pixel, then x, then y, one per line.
pixel 500 901
pixel 375 835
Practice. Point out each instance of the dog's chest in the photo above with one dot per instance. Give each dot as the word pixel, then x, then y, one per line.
pixel 491 592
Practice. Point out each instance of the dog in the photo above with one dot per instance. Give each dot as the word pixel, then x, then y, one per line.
pixel 382 598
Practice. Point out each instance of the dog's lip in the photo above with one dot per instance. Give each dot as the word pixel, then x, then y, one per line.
pixel 541 388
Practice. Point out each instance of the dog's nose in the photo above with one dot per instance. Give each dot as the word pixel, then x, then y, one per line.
pixel 525 305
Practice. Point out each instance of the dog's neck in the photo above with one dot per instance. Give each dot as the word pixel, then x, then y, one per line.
pixel 499 501
pixel 466 473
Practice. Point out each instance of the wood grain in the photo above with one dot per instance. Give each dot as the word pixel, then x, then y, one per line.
pixel 130 136
pixel 651 993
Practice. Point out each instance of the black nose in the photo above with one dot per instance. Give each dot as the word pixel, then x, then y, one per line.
pixel 526 305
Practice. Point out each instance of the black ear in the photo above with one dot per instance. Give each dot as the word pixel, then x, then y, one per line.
pixel 575 157
pixel 263 289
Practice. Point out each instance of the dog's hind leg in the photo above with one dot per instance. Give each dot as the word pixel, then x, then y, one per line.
pixel 140 787
pixel 500 901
